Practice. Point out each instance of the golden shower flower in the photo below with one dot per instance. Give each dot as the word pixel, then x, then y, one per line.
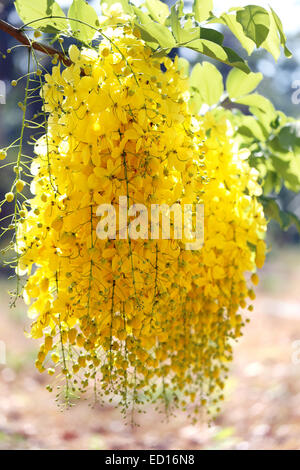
pixel 136 316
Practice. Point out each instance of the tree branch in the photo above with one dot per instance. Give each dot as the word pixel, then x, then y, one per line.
pixel 228 104
pixel 38 46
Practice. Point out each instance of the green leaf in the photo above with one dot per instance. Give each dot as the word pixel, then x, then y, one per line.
pixel 272 183
pixel 237 30
pixel 293 220
pixel 211 35
pixel 264 119
pixel 284 218
pixel 271 209
pixel 272 42
pixel 82 11
pixel 174 20
pixel 178 7
pixel 239 83
pixel 187 33
pixel 289 136
pixel 202 9
pixel 33 11
pixel 287 167
pixel 255 22
pixel 281 165
pixel 127 8
pixel 258 101
pixel 275 145
pixel 207 79
pixel 251 127
pixel 221 53
pixel 195 102
pixel 293 181
pixel 184 65
pixel 158 10
pixel 149 39
pixel 185 36
pixel 157 34
pixel 281 33
pixel 154 33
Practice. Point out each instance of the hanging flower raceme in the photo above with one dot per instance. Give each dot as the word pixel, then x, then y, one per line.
pixel 139 318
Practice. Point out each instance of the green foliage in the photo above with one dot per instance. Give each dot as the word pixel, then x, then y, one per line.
pixel 155 34
pixel 127 7
pixel 272 42
pixel 255 22
pixel 231 22
pixel 164 29
pixel 82 11
pixel 272 139
pixel 201 80
pixel 158 10
pixel 256 101
pixel 284 218
pixel 281 33
pixel 202 9
pixel 45 15
pixel 184 65
pixel 220 53
pixel 239 84
pixel 254 26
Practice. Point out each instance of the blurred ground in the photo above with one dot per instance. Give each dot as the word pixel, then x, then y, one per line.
pixel 261 411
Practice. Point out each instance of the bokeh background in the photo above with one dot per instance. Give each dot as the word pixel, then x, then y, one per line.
pixel 262 405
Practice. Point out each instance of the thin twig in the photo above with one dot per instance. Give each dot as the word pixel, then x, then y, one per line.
pixel 23 39
pixel 228 104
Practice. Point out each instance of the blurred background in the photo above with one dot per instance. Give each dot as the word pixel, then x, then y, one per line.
pixel 262 406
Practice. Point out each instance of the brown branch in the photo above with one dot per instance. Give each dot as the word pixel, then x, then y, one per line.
pixel 38 46
pixel 228 104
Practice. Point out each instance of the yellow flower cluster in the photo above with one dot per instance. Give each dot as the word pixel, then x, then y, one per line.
pixel 143 319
